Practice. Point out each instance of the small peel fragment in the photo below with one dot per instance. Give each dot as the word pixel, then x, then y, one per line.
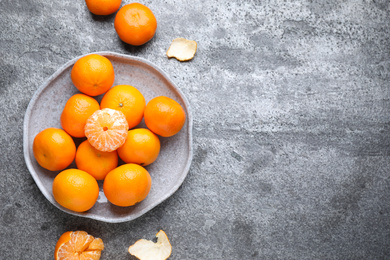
pixel 148 250
pixel 182 49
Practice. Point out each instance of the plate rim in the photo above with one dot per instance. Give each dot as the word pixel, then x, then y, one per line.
pixel 44 85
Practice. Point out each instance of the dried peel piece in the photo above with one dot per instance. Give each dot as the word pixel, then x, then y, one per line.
pixel 148 250
pixel 182 49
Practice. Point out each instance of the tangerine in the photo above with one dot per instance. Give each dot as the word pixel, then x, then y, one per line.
pixel 135 24
pixel 76 112
pixel 95 162
pixel 106 129
pixel 128 100
pixel 75 189
pixel 103 7
pixel 54 149
pixel 77 245
pixel 141 147
pixel 127 185
pixel 93 74
pixel 164 116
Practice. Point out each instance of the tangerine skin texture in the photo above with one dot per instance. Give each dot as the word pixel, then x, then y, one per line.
pixel 135 24
pixel 93 74
pixel 75 190
pixel 128 100
pixel 95 162
pixel 164 116
pixel 77 110
pixel 141 147
pixel 127 185
pixel 103 7
pixel 54 149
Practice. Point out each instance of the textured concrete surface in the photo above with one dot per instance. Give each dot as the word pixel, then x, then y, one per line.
pixel 291 106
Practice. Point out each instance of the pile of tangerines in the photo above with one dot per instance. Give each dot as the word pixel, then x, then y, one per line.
pixel 110 134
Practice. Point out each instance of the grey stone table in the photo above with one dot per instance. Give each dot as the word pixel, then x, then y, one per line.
pixel 291 106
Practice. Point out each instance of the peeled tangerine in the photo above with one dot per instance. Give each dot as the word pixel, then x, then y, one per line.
pixel 78 245
pixel 148 250
pixel 106 129
pixel 182 49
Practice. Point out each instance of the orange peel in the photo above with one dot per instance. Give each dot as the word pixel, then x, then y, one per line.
pixel 148 250
pixel 182 49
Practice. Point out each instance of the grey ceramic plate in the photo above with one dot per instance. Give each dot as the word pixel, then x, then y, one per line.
pixel 167 172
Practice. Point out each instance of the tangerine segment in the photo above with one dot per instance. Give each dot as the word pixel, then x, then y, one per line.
pixel 127 185
pixel 54 149
pixel 77 245
pixel 127 99
pixel 95 162
pixel 106 129
pixel 142 147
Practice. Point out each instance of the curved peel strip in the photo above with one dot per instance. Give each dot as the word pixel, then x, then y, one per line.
pixel 182 49
pixel 148 250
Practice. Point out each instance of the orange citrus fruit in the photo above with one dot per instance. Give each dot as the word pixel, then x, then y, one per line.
pixel 164 116
pixel 141 147
pixel 106 129
pixel 103 7
pixel 76 112
pixel 75 189
pixel 135 24
pixel 93 74
pixel 128 100
pixel 54 149
pixel 95 162
pixel 77 245
pixel 127 185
